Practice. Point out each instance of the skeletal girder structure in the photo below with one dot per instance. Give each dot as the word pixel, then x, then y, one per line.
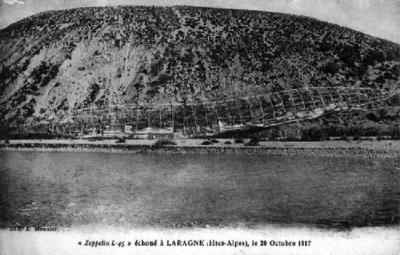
pixel 208 117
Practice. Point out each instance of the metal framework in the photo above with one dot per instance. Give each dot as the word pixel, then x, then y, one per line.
pixel 212 117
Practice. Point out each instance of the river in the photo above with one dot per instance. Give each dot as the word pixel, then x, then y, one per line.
pixel 72 189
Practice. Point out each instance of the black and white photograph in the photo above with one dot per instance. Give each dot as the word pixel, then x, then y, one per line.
pixel 200 127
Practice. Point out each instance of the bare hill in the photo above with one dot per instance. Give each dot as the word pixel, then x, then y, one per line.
pixel 54 62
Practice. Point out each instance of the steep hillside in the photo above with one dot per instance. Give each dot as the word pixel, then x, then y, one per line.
pixel 56 61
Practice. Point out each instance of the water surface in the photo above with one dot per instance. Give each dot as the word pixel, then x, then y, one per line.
pixel 67 189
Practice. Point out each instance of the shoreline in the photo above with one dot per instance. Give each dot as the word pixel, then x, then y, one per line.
pixel 353 149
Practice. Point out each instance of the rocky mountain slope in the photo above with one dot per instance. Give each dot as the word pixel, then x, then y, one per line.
pixel 54 62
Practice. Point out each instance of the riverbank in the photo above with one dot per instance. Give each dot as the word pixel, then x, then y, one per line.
pixel 368 149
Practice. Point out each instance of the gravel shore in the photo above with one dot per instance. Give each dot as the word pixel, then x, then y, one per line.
pixel 365 149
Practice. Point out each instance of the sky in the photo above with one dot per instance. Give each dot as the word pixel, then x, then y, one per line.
pixel 379 18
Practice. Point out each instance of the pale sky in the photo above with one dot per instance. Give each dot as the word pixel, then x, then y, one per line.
pixel 375 17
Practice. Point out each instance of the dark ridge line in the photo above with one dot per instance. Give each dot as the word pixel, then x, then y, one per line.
pixel 304 17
